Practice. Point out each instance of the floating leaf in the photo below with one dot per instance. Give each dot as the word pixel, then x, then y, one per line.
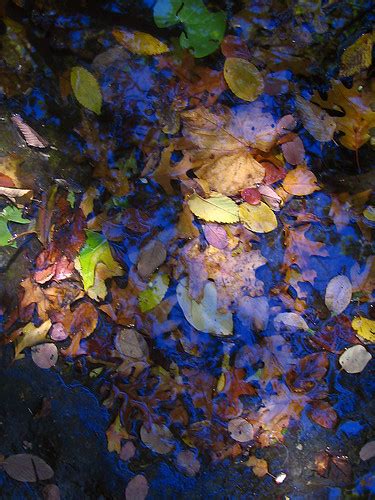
pixel 45 355
pixel 240 430
pixel 154 294
pixel 300 181
pixel 367 451
pixel 338 294
pixel 159 438
pixel 365 328
pixel 258 218
pixel 204 315
pixel 86 89
pixel 355 359
pixel 27 468
pixel 259 466
pixel 137 488
pixel 293 151
pixel 9 214
pixel 243 78
pixel 139 42
pixel 95 251
pixel 30 336
pixel 150 258
pixel 315 120
pixel 217 208
pixel 187 461
pixel 357 57
pixel 131 343
pixel 216 235
pixel 291 321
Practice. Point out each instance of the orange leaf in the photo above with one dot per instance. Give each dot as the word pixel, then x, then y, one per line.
pixel 300 181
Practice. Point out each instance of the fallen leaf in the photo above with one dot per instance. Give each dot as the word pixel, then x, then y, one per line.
pixel 127 451
pixel 51 492
pixel 27 468
pixel 139 43
pixel 204 315
pixel 367 451
pixel 131 343
pixel 300 181
pixel 293 151
pixel 258 218
pixel 338 294
pixel 259 466
pixel 159 438
pixel 251 196
pixel 355 359
pixel 323 414
pixel 86 89
pixel 154 293
pixel 365 328
pixel 115 434
pixel 31 137
pixel 217 208
pixel 45 355
pixel 9 214
pixel 151 256
pixel 240 430
pixel 290 320
pixel 30 336
pixel 215 235
pixel 357 56
pixel 243 78
pixel 299 248
pixel 315 120
pixel 137 488
pixel 254 312
pixel 188 463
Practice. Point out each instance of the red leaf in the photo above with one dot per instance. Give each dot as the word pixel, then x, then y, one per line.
pixel 323 414
pixel 251 195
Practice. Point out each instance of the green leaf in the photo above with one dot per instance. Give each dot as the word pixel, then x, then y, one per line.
pixel 9 214
pixel 95 250
pixel 217 208
pixel 204 315
pixel 86 89
pixel 154 294
pixel 165 12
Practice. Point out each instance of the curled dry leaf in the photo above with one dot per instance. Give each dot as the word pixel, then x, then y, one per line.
pixel 290 320
pixel 27 468
pixel 355 359
pixel 240 430
pixel 217 208
pixel 137 488
pixel 270 197
pixel 243 78
pixel 338 294
pixel 187 461
pixel 367 451
pixel 300 182
pixel 365 328
pixel 150 258
pixel 159 438
pixel 139 43
pixel 315 120
pixel 258 218
pixel 45 355
pixel 259 466
pixel 131 343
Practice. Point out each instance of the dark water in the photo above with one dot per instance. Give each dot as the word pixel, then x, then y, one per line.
pixel 83 403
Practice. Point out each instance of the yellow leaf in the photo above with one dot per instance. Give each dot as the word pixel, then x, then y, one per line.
pixel 315 120
pixel 140 43
pixel 369 213
pixel 300 181
pixel 365 328
pixel 357 57
pixel 217 208
pixel 258 218
pixel 243 78
pixel 259 465
pixel 86 89
pixel 30 336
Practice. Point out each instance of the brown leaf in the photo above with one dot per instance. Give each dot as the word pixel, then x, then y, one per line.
pixel 323 414
pixel 27 468
pixel 150 258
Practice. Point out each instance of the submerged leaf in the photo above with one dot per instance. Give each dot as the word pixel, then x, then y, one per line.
pixel 315 120
pixel 355 359
pixel 338 294
pixel 290 320
pixel 131 343
pixel 45 355
pixel 86 89
pixel 300 181
pixel 159 438
pixel 217 208
pixel 243 78
pixel 259 466
pixel 139 43
pixel 30 336
pixel 357 57
pixel 258 218
pixel 240 430
pixel 27 468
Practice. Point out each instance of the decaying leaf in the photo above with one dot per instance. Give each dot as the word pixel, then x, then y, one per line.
pixel 258 218
pixel 338 294
pixel 315 120
pixel 154 293
pixel 86 89
pixel 357 57
pixel 9 214
pixel 259 466
pixel 159 438
pixel 243 78
pixel 217 208
pixel 204 315
pixel 30 336
pixel 150 258
pixel 188 463
pixel 240 430
pixel 365 328
pixel 137 488
pixel 355 359
pixel 300 182
pixel 216 235
pixel 140 43
pixel 27 468
pixel 45 355
pixel 291 321
pixel 254 312
pixel 131 343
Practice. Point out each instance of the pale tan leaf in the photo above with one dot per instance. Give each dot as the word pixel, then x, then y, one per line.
pixel 315 120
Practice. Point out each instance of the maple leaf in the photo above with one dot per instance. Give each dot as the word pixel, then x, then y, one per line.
pixel 233 275
pixel 359 116
pixel 299 248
